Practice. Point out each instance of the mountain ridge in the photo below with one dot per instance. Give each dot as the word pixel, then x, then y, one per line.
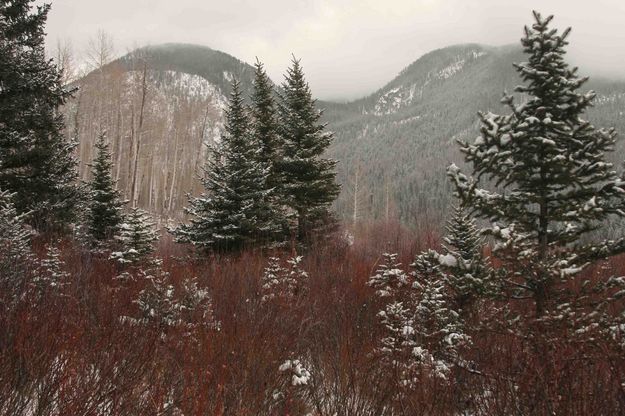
pixel 397 140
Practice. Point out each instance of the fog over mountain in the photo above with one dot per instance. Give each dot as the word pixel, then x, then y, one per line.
pixel 349 47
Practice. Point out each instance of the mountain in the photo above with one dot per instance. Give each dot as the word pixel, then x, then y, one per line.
pixel 398 141
pixel 216 67
pixel 163 103
pixel 393 145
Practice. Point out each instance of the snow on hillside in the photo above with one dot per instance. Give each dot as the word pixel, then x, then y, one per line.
pixel 173 87
pixel 610 98
pixel 450 70
pixel 402 96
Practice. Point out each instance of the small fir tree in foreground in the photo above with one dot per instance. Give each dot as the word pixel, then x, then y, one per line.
pixel 50 276
pixel 308 180
pixel 136 236
pixel 36 161
pixel 104 212
pixel 555 186
pixel 464 269
pixel 423 331
pixel 235 211
pixel 283 283
pixel 389 278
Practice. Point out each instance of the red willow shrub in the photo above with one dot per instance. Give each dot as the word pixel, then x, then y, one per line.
pixel 72 352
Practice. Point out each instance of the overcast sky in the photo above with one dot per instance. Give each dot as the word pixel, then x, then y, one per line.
pixel 348 47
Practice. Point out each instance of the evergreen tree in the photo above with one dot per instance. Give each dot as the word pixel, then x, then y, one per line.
pixel 465 270
pixel 309 184
pixel 550 164
pixel 284 283
pixel 424 332
pixel 235 210
pixel 36 162
pixel 389 279
pixel 136 235
pixel 104 214
pixel 438 327
pixel 264 124
pixel 164 307
pixel 264 134
pixel 51 276
pixel 16 257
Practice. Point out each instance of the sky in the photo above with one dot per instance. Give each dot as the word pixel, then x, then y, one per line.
pixel 348 48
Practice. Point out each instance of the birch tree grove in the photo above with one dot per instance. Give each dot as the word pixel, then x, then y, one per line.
pixel 159 123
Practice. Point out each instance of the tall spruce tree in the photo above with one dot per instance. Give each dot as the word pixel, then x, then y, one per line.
pixel 235 210
pixel 36 161
pixel 264 124
pixel 554 185
pixel 309 180
pixel 104 212
pixel 264 134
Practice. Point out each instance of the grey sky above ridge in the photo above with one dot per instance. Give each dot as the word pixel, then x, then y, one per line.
pixel 349 48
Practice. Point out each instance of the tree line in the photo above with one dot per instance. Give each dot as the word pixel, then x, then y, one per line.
pixel 266 181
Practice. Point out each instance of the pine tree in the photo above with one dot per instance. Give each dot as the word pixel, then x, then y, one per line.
pixel 104 214
pixel 235 211
pixel 51 276
pixel 136 236
pixel 309 184
pixel 465 270
pixel 163 307
pixel 424 332
pixel 284 283
pixel 16 257
pixel 550 164
pixel 36 161
pixel 264 124
pixel 389 278
pixel 264 134
pixel 439 329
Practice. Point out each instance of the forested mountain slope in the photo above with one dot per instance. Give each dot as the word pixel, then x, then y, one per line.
pixel 393 146
pixel 396 143
pixel 159 106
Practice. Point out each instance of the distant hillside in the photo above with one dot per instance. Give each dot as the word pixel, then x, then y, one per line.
pixel 166 129
pixel 399 140
pixel 395 143
pixel 216 67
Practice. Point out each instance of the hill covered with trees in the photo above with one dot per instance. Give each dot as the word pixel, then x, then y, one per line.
pixel 392 145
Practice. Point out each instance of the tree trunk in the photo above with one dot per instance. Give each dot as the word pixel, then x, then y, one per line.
pixel 133 190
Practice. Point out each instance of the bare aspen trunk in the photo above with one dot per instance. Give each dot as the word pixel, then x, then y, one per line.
pixel 133 188
pixel 118 143
pixel 198 156
pixel 355 213
pixel 173 175
pixel 388 202
pixel 131 148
